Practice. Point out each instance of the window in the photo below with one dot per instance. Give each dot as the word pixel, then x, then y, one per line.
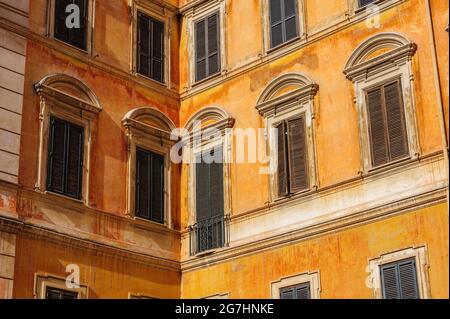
pixel 301 291
pixel 387 128
pixel 283 21
pixel 150 186
pixel 65 158
pixel 363 3
pixel 150 48
pixel 382 75
pixel 399 280
pixel 292 156
pixel 74 36
pixel 207 47
pixel 55 293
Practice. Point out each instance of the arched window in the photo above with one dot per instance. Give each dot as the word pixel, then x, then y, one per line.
pixel 148 132
pixel 287 105
pixel 381 71
pixel 68 109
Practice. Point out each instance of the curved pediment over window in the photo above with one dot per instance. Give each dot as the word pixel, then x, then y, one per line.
pixel 381 49
pixel 68 90
pixel 211 116
pixel 150 120
pixel 284 90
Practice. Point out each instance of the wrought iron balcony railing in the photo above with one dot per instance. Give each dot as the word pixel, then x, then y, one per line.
pixel 209 234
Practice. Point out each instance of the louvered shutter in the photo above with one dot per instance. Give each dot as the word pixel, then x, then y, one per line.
pixel 144 45
pixel 282 166
pixel 377 127
pixel 399 280
pixel 200 50
pixel 363 3
pixel 74 36
pixel 142 184
pixel 290 20
pixel 216 184
pixel 213 64
pixel 398 145
pixel 276 23
pixel 157 51
pixel 74 160
pixel 54 293
pixel 287 293
pixel 157 188
pixel 303 291
pixel 202 189
pixel 56 156
pixel 150 51
pixel 297 154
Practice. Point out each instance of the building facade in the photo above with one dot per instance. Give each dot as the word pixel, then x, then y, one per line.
pixel 327 125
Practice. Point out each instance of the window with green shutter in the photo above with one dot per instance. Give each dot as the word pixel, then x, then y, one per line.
pixel 207 47
pixel 73 36
pixel 399 280
pixel 283 21
pixel 387 128
pixel 65 158
pixel 292 156
pixel 149 186
pixel 302 291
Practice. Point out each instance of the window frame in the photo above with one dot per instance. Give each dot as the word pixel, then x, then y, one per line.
pixel 310 277
pixel 418 253
pixel 164 16
pixel 51 21
pixel 42 281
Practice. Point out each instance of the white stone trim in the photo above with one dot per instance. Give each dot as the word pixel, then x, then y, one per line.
pixel 44 280
pixel 225 295
pixel 313 278
pixel 418 253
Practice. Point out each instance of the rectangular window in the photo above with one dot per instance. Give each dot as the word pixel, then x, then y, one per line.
pixel 149 186
pixel 150 49
pixel 207 47
pixel 302 291
pixel 283 21
pixel 387 128
pixel 363 3
pixel 399 280
pixel 210 203
pixel 65 158
pixel 55 293
pixel 73 35
pixel 292 156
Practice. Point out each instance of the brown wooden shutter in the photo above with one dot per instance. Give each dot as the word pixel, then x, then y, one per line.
pixel 157 50
pixel 282 159
pixel 142 184
pixel 276 23
pixel 297 154
pixel 200 50
pixel 216 185
pixel 74 160
pixel 290 20
pixel 207 47
pixel 202 189
pixel 75 36
pixel 213 45
pixel 56 156
pixel 377 127
pixel 398 144
pixel 157 188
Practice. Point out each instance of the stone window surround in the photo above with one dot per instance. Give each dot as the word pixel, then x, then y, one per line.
pixel 265 14
pixel 419 254
pixel 225 295
pixel 299 102
pixel 223 123
pixel 153 139
pixel 89 27
pixel 194 14
pixel 163 15
pixel 54 102
pixel 390 66
pixel 313 277
pixel 44 280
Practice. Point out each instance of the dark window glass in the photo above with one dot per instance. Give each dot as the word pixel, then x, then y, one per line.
pixel 283 21
pixel 150 186
pixel 207 47
pixel 150 51
pixel 73 36
pixel 65 158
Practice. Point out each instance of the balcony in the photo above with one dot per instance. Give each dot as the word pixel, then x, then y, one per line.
pixel 209 234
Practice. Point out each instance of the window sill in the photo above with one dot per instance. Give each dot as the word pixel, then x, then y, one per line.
pixel 149 224
pixel 285 44
pixel 146 78
pixel 390 165
pixel 72 47
pixel 65 197
pixel 297 194
pixel 362 9
pixel 208 79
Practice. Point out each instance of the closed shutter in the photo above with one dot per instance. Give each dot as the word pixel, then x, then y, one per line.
pixel 202 188
pixel 387 128
pixel 399 280
pixel 297 154
pixel 287 293
pixel 54 293
pixel 301 291
pixel 282 166
pixel 142 184
pixel 207 47
pixel 216 185
pixel 74 160
pixel 283 21
pixel 56 156
pixel 73 36
pixel 363 3
pixel 157 186
pixel 150 52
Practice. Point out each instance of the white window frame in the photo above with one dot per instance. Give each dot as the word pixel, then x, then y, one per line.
pixel 42 281
pixel 89 26
pixel 296 103
pixel 420 256
pixel 55 102
pixel 312 277
pixel 164 15
pixel 193 15
pixel 301 25
pixel 389 66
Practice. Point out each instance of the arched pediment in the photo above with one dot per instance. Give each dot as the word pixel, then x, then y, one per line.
pixel 211 116
pixel 70 90
pixel 149 116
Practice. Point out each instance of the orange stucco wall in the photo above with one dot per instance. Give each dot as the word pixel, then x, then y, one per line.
pixel 340 257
